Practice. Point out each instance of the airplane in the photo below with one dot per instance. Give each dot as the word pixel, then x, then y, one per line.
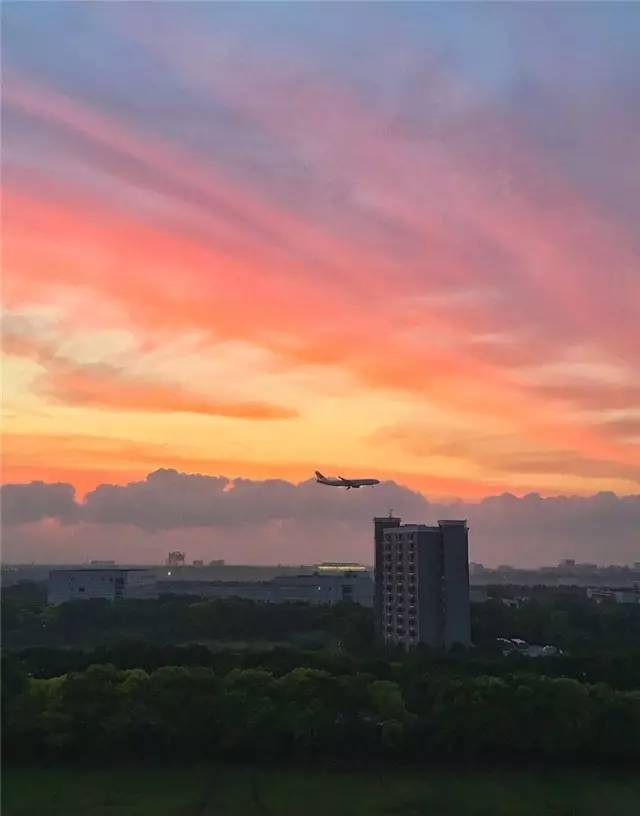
pixel 342 482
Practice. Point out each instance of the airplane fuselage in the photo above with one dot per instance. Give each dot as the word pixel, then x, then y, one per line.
pixel 340 481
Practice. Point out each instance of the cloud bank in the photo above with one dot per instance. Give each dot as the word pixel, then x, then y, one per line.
pixel 275 521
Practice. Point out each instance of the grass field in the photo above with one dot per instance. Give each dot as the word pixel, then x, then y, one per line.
pixel 234 791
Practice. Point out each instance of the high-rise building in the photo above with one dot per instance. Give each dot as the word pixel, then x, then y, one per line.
pixel 176 559
pixel 380 524
pixel 422 583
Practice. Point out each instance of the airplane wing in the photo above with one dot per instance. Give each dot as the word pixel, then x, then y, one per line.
pixel 346 481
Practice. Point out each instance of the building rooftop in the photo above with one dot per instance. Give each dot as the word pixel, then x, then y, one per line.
pixel 101 569
pixel 410 528
pixel 340 566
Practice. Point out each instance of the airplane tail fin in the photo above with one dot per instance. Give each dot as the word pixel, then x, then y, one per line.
pixel 319 476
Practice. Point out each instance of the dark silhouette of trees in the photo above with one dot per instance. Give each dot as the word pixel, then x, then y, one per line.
pixel 164 678
pixel 105 712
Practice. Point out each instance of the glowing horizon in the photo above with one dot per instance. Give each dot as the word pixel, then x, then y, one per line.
pixel 397 241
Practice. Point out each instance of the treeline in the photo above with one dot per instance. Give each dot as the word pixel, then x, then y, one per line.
pixel 177 618
pixel 564 618
pixel 184 712
pixel 620 671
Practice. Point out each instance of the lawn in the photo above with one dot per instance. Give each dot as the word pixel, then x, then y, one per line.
pixel 236 791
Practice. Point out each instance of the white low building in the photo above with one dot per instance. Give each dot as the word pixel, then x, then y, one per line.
pixel 111 584
pixel 620 596
pixel 313 588
pixel 324 588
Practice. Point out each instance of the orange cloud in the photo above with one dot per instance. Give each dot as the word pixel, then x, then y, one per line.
pixel 87 461
pixel 103 386
pixel 77 387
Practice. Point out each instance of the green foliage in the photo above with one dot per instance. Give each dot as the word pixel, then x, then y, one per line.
pixel 144 695
pixel 563 617
pixel 27 621
pixel 387 699
pixel 393 735
pixel 193 711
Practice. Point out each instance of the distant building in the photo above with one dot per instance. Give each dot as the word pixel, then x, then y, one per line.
pixel 102 563
pixel 248 590
pixel 422 583
pixel 380 525
pixel 599 594
pixel 509 646
pixel 627 596
pixel 99 582
pixel 620 596
pixel 340 566
pixel 355 586
pixel 198 563
pixel 567 562
pixel 313 588
pixel 217 562
pixel 176 559
pixel 514 603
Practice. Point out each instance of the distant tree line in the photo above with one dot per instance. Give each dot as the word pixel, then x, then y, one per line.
pixel 27 620
pixel 100 680
pixel 564 618
pixel 194 712
pixel 618 670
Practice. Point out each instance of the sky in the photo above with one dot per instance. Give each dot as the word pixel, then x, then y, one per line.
pixel 253 240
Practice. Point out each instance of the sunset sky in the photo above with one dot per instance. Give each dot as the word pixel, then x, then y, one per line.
pixel 390 240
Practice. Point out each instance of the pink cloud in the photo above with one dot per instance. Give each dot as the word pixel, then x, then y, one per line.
pixel 274 521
